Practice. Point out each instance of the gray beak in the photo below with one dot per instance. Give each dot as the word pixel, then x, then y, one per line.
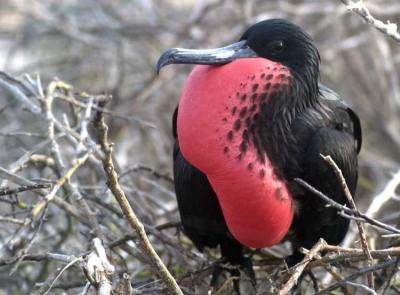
pixel 216 56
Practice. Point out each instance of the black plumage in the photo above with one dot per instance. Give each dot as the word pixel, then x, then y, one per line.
pixel 303 121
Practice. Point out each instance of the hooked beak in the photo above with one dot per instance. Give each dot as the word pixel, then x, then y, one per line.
pixel 216 56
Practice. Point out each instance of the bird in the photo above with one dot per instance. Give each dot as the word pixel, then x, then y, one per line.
pixel 253 116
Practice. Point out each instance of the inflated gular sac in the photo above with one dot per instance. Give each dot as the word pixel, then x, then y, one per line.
pixel 217 130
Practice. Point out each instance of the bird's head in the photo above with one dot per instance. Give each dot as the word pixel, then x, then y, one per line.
pixel 275 39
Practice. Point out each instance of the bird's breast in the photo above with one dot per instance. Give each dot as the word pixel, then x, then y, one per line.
pixel 218 130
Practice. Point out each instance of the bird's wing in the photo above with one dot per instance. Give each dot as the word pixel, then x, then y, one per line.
pixel 334 99
pixel 338 134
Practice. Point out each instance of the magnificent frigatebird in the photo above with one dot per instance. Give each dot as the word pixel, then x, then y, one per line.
pixel 251 119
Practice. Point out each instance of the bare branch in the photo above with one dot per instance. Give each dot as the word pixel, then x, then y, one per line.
pixel 359 8
pixel 19 91
pixel 357 274
pixel 119 194
pixel 299 268
pixel 340 207
pixel 8 191
pixel 360 226
pixel 98 269
pixel 386 194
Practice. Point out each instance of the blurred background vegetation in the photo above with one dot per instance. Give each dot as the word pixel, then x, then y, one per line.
pixel 111 47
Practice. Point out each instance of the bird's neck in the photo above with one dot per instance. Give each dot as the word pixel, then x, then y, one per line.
pixel 276 130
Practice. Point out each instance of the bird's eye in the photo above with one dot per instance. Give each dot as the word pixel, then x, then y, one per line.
pixel 276 46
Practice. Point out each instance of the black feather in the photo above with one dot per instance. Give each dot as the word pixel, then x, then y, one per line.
pixel 305 120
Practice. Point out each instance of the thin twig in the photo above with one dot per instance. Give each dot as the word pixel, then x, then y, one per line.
pixel 13 86
pixel 38 257
pixel 61 272
pixel 386 194
pixel 31 241
pixel 156 174
pixel 356 275
pixel 298 268
pixel 119 194
pixel 50 196
pixel 12 220
pixel 359 8
pixel 340 207
pixel 130 118
pixel 365 288
pixel 351 254
pixel 363 235
pixel 8 191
